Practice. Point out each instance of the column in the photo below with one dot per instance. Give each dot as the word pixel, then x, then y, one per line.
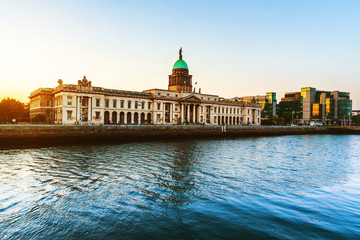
pixel 90 109
pixel 193 114
pixel 182 113
pixel 198 113
pixel 188 112
pixel 171 113
pixel 78 107
pixel 163 113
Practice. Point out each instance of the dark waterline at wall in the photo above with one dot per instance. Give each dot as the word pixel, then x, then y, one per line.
pixel 289 187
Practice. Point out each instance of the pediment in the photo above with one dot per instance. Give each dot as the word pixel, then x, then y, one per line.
pixel 191 98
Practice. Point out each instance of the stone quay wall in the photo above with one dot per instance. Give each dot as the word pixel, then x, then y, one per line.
pixel 18 135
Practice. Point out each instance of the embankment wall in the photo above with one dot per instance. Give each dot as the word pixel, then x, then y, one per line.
pixel 18 135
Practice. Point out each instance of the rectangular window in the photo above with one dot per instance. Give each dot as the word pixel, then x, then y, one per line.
pixel 129 104
pixel 158 116
pixel 98 102
pixel 69 115
pixel 122 104
pixel 158 106
pixel 83 102
pixel 107 103
pixel 114 104
pixel 142 105
pixel 149 105
pixel 97 115
pixel 69 100
pixel 48 103
pixel 136 105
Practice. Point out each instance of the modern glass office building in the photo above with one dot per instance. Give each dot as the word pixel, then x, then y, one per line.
pixel 315 106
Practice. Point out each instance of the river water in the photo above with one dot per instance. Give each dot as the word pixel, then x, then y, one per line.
pixel 288 187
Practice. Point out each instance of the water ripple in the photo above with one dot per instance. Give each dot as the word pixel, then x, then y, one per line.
pixel 290 187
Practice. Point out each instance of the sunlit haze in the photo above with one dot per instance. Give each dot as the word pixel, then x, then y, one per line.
pixel 232 48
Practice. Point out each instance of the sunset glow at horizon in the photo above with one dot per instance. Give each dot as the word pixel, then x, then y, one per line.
pixel 232 48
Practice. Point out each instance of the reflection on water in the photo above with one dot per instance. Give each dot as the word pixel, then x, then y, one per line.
pixel 279 187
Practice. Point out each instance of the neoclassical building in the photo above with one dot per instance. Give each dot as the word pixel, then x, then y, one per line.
pixel 83 103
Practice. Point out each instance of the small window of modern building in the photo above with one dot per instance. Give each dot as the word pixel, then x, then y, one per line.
pixel 97 115
pixel 69 100
pixel 98 102
pixel 107 103
pixel 114 103
pixel 69 115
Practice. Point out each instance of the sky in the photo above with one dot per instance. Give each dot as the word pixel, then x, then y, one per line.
pixel 232 48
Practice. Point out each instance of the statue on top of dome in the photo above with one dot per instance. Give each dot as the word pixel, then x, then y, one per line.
pixel 180 53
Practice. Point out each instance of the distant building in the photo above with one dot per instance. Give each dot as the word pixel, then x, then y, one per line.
pixel 311 105
pixel 355 112
pixel 42 103
pixel 268 103
pixel 83 103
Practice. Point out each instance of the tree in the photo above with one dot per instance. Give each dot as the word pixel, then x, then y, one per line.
pixel 356 120
pixel 39 118
pixel 11 108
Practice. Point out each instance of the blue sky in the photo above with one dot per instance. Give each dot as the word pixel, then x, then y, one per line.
pixel 233 48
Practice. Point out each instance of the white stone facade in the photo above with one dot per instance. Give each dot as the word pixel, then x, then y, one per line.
pixel 84 104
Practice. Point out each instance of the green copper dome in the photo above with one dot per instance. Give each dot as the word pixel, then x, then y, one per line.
pixel 180 64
